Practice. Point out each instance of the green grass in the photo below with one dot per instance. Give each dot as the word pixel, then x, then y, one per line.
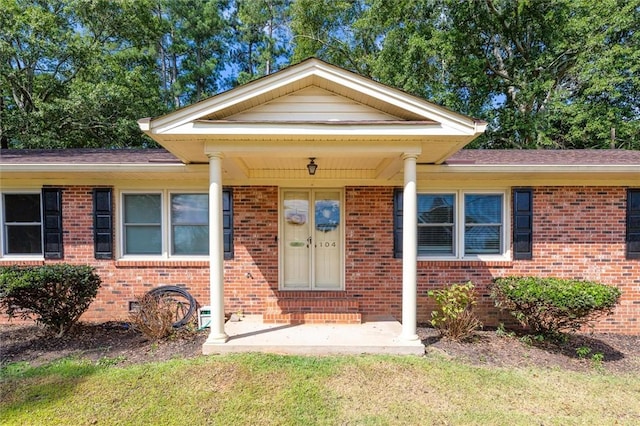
pixel 290 390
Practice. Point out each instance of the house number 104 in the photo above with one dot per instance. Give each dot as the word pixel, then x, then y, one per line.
pixel 325 244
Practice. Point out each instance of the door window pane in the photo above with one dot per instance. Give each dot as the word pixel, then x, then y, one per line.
pixel 327 240
pixel 190 223
pixel 23 224
pixel 142 224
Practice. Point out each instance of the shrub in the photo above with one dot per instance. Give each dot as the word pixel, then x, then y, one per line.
pixel 550 306
pixel 455 318
pixel 54 295
pixel 154 316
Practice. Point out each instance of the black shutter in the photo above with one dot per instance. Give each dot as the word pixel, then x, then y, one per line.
pixel 227 222
pixel 633 224
pixel 522 223
pixel 102 223
pixel 398 194
pixel 52 226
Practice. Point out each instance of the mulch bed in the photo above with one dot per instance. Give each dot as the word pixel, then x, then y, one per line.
pixel 606 352
pixel 110 340
pixel 118 342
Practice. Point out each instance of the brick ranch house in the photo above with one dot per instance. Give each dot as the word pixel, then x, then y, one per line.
pixel 231 209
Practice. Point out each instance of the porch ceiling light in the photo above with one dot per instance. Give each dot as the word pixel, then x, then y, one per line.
pixel 312 166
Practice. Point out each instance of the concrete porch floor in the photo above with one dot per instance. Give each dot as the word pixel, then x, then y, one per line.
pixel 371 337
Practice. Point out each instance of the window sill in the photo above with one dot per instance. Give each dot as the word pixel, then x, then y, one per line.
pixel 503 261
pixel 21 261
pixel 308 293
pixel 311 290
pixel 165 263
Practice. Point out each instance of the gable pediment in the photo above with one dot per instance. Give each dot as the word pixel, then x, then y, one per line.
pixel 312 104
pixel 318 105
pixel 333 86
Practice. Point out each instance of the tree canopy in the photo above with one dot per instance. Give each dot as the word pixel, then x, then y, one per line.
pixel 543 74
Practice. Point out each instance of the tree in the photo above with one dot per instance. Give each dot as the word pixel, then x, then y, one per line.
pixel 601 106
pixel 543 74
pixel 74 73
pixel 38 58
pixel 191 49
pixel 525 51
pixel 336 31
pixel 554 74
pixel 261 38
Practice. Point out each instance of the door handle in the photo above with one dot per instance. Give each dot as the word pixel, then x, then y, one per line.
pixel 308 242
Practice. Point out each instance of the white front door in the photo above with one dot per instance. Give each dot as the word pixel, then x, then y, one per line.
pixel 311 239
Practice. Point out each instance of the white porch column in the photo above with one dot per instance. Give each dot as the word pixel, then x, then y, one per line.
pixel 216 251
pixel 409 250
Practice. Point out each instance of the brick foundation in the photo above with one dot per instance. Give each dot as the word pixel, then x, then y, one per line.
pixel 579 232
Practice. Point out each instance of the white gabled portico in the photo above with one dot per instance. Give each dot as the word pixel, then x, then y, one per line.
pixel 360 132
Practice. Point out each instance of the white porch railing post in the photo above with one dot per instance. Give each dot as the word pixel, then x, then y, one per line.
pixel 409 250
pixel 217 334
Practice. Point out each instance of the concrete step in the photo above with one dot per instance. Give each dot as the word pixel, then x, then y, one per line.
pixel 312 310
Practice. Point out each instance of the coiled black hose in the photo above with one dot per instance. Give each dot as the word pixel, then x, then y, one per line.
pixel 183 304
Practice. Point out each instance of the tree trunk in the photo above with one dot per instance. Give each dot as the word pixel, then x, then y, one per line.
pixel 4 140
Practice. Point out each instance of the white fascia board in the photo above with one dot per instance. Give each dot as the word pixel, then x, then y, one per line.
pixel 311 129
pixel 517 169
pixel 145 124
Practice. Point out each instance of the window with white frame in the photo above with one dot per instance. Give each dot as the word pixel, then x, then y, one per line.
pixel 142 224
pixel 189 224
pixel 483 217
pixel 436 224
pixel 22 224
pixel 146 217
pixel 461 224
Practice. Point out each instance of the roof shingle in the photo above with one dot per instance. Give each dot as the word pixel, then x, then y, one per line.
pixel 86 156
pixel 521 157
pixel 586 157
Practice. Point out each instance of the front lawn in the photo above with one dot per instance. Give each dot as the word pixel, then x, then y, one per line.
pixel 289 390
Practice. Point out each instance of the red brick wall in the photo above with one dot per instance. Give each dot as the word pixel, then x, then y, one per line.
pixel 252 276
pixel 372 274
pixel 578 233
